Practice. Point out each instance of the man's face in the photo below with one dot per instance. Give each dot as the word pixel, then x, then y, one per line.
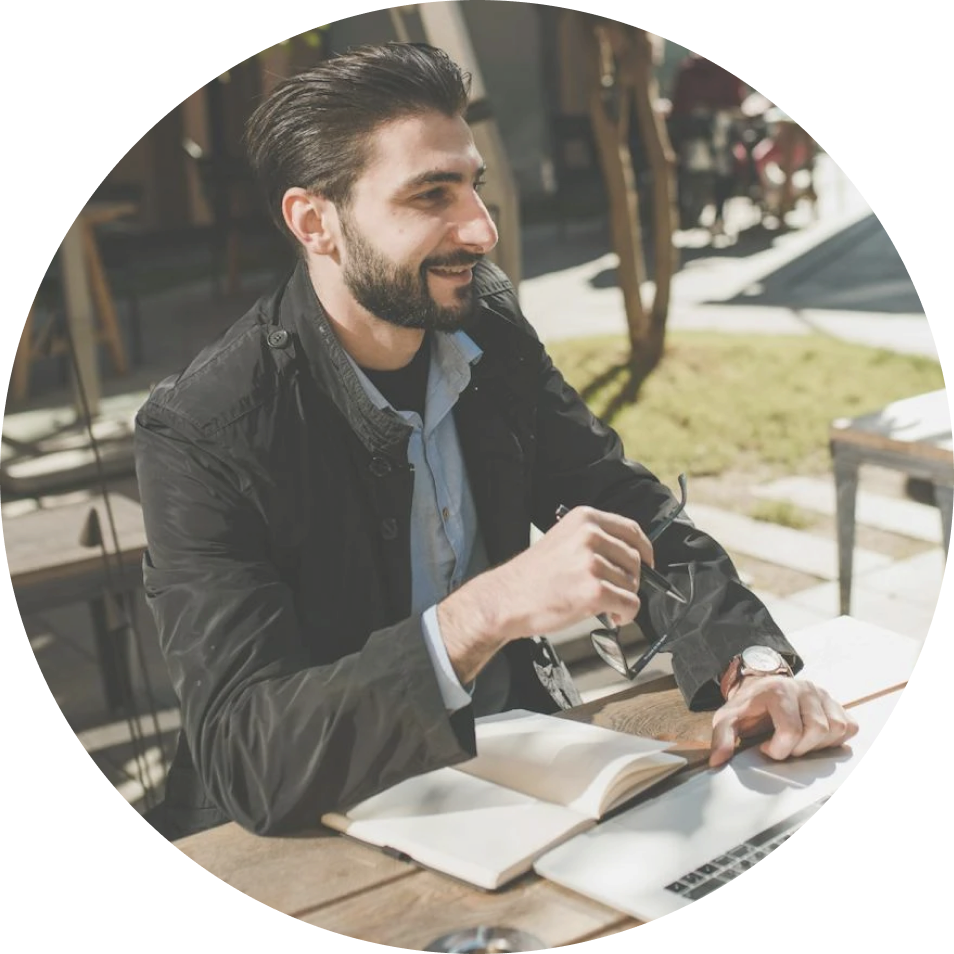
pixel 415 224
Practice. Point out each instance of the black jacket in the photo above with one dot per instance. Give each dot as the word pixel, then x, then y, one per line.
pixel 277 500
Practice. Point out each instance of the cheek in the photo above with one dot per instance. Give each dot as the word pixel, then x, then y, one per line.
pixel 407 246
pixel 408 240
pixel 418 240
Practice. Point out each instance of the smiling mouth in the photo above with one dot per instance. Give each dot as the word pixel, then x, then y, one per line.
pixel 457 272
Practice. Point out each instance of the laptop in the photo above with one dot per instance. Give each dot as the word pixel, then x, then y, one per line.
pixel 667 852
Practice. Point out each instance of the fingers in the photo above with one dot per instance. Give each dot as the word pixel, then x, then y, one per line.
pixel 628 533
pixel 803 718
pixel 826 723
pixel 819 723
pixel 742 717
pixel 611 591
pixel 617 538
pixel 600 555
pixel 724 737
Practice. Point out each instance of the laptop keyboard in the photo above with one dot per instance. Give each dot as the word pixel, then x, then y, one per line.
pixel 721 870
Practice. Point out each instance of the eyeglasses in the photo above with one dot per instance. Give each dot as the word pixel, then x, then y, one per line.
pixel 656 532
pixel 606 639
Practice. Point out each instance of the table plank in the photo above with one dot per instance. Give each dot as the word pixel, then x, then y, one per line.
pixel 99 212
pixel 45 544
pixel 918 426
pixel 655 709
pixel 292 874
pixel 347 888
pixel 415 911
pixel 912 436
pixel 624 925
pixel 336 883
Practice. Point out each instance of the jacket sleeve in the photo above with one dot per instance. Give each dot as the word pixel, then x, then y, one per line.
pixel 276 741
pixel 579 460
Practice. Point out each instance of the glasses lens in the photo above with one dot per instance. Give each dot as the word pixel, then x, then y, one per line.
pixel 609 650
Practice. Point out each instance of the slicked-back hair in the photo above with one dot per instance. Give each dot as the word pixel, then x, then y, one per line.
pixel 313 130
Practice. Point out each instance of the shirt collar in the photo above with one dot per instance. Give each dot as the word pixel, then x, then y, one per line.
pixel 452 355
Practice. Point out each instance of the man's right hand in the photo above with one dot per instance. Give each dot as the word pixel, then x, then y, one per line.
pixel 588 563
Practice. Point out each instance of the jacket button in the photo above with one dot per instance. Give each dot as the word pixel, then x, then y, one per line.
pixel 277 339
pixel 380 467
pixel 389 528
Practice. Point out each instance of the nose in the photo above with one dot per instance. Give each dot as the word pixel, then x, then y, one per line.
pixel 476 228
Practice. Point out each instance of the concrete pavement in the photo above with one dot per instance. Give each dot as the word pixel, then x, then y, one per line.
pixel 838 274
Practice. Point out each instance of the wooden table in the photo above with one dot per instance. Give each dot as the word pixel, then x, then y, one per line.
pixel 51 567
pixel 354 890
pixel 346 887
pixel 912 436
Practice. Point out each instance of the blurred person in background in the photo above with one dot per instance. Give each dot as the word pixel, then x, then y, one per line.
pixel 784 162
pixel 706 101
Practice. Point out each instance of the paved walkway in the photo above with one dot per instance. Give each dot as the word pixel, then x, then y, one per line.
pixel 839 275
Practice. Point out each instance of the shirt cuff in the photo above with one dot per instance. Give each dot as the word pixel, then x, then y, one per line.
pixel 455 696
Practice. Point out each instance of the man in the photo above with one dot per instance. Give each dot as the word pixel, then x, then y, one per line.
pixel 706 97
pixel 338 493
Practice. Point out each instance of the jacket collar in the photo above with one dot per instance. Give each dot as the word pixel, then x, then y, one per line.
pixel 301 313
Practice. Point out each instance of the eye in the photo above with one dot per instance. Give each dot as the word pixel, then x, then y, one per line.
pixel 432 195
pixel 479 184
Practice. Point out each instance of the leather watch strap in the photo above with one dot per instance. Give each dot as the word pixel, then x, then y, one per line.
pixel 730 677
pixel 737 671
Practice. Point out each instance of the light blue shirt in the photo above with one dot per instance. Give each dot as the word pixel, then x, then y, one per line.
pixel 446 545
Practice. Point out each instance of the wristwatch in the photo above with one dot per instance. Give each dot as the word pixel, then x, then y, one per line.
pixel 753 661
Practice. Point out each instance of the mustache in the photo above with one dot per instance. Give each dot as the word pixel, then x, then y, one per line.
pixel 452 260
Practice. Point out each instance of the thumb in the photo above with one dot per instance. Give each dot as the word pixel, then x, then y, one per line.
pixel 724 738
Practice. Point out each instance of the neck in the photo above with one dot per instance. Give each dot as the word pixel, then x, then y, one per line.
pixel 374 344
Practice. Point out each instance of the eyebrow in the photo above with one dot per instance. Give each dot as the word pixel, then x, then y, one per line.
pixel 438 177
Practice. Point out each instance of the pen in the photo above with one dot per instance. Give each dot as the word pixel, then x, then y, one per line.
pixel 648 656
pixel 647 575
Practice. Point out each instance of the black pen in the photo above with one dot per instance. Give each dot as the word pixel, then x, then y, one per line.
pixel 647 575
pixel 647 657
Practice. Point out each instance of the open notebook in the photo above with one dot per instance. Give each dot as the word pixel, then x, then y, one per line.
pixel 662 854
pixel 536 782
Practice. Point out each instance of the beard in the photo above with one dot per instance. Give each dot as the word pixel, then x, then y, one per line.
pixel 399 294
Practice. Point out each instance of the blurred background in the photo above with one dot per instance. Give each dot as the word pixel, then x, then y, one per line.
pixel 698 267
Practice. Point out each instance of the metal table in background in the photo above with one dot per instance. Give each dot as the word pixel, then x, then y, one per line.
pixel 912 436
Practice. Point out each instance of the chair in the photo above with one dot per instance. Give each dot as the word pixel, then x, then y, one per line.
pixel 227 185
pixel 51 339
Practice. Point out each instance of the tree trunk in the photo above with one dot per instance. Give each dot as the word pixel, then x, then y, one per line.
pixel 618 81
pixel 609 108
pixel 662 163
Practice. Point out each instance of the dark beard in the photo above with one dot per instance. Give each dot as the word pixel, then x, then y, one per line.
pixel 399 295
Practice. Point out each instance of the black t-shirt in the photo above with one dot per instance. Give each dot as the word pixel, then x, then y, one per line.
pixel 406 388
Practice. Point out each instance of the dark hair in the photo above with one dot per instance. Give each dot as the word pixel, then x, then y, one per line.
pixel 313 130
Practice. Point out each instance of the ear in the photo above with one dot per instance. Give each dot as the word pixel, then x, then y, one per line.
pixel 312 219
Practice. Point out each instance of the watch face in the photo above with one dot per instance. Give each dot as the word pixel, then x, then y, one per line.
pixel 762 659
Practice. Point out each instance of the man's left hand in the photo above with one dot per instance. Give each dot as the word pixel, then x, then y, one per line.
pixel 801 716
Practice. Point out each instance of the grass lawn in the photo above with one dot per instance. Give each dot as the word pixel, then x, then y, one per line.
pixel 746 404
pixel 734 411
